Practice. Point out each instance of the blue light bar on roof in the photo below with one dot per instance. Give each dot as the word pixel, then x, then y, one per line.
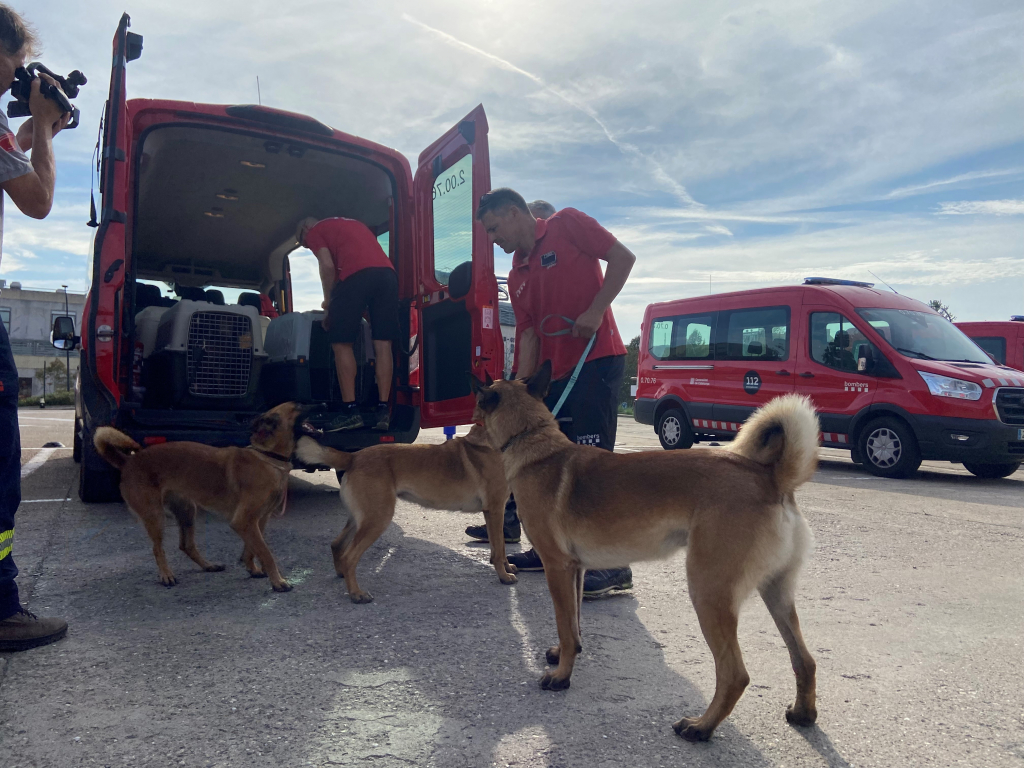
pixel 834 281
pixel 1017 318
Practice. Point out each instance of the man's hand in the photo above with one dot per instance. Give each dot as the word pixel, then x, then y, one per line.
pixel 587 324
pixel 47 111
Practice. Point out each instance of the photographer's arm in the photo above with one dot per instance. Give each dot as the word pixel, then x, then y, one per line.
pixel 33 192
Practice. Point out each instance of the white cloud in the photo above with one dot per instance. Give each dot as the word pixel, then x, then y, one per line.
pixel 990 207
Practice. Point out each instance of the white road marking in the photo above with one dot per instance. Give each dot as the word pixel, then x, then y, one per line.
pixel 44 418
pixel 36 461
pixel 41 501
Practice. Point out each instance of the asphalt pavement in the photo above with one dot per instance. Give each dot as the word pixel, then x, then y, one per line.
pixel 911 604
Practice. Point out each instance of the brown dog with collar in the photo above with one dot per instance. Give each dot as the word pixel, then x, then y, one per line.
pixel 245 485
pixel 733 509
pixel 464 474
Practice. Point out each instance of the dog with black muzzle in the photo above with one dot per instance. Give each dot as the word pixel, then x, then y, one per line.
pixel 733 509
pixel 245 485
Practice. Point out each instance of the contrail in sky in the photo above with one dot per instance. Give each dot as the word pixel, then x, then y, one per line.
pixel 628 149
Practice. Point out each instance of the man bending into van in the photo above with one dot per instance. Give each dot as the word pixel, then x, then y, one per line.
pixel 555 275
pixel 356 274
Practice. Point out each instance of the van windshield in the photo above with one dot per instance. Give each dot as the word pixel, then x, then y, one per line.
pixel 923 335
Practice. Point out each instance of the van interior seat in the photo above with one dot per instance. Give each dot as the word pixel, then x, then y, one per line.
pixel 249 299
pixel 146 296
pixel 264 325
pixel 214 297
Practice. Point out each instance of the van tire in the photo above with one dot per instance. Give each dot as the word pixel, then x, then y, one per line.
pixel 97 483
pixel 888 448
pixel 674 430
pixel 76 443
pixel 992 471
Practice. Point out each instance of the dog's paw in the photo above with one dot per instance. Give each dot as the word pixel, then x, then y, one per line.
pixel 507 578
pixel 802 717
pixel 361 597
pixel 214 567
pixel 551 682
pixel 553 654
pixel 168 579
pixel 511 568
pixel 257 574
pixel 284 586
pixel 689 730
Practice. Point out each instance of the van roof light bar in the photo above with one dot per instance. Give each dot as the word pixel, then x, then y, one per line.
pixel 835 281
pixel 1017 318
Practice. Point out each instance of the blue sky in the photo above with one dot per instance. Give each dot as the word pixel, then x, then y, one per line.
pixel 750 143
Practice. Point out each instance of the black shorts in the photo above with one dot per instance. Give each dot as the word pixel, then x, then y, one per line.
pixel 589 415
pixel 374 288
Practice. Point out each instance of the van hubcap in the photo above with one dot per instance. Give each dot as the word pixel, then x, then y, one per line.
pixel 671 429
pixel 884 447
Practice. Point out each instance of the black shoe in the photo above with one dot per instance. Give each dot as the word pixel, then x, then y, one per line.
pixel 350 418
pixel 383 417
pixel 601 583
pixel 526 561
pixel 510 527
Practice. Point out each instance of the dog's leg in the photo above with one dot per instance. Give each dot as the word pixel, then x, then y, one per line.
pixel 246 523
pixel 369 528
pixel 563 577
pixel 494 515
pixel 778 596
pixel 554 652
pixel 255 569
pixel 339 544
pixel 151 512
pixel 184 511
pixel 717 611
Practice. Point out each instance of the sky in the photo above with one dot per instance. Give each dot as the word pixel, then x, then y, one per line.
pixel 729 145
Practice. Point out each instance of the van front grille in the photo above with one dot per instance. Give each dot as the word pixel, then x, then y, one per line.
pixel 1010 405
pixel 219 354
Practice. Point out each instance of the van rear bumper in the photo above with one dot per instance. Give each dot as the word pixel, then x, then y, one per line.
pixel 643 410
pixel 988 441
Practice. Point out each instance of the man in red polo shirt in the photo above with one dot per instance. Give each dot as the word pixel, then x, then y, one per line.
pixel 561 300
pixel 356 274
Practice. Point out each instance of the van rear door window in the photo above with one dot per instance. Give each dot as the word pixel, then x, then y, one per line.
pixel 683 337
pixel 754 334
pixel 453 218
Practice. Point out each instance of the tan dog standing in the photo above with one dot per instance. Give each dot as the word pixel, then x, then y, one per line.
pixel 245 485
pixel 733 509
pixel 464 474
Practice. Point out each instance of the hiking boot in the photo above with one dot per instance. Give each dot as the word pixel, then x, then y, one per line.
pixel 526 561
pixel 350 418
pixel 601 583
pixel 382 417
pixel 510 527
pixel 25 630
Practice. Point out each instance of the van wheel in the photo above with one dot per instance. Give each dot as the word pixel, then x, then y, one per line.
pixel 992 471
pixel 97 482
pixel 76 442
pixel 889 449
pixel 674 430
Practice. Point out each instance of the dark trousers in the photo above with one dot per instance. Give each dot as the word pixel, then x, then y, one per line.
pixel 589 415
pixel 10 475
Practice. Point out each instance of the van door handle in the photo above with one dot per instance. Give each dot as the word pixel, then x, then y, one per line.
pixel 782 373
pixel 807 375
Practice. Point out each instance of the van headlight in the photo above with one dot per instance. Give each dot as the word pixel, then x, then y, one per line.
pixel 944 386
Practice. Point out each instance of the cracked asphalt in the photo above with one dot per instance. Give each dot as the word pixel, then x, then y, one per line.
pixel 911 604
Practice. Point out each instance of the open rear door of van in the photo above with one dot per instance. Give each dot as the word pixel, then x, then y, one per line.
pixel 457 301
pixel 102 327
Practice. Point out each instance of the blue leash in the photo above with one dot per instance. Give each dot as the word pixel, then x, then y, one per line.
pixel 579 365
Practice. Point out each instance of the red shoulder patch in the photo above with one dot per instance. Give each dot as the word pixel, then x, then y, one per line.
pixel 7 142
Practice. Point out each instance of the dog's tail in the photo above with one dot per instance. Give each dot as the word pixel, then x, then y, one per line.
pixel 114 446
pixel 784 433
pixel 312 453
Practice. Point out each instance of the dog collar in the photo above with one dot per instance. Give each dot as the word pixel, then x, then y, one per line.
pixel 271 454
pixel 514 438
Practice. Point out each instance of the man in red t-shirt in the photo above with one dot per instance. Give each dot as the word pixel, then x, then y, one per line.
pixel 356 275
pixel 561 299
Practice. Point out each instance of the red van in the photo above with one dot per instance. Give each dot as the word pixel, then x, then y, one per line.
pixel 891 379
pixel 1004 341
pixel 189 327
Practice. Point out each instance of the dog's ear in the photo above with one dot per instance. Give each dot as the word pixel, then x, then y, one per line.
pixel 537 385
pixel 489 380
pixel 477 386
pixel 264 428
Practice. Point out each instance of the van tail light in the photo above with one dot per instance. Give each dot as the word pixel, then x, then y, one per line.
pixel 414 357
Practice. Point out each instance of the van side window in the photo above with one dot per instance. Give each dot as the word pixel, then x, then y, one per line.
pixel 994 345
pixel 754 334
pixel 453 218
pixel 836 343
pixel 683 337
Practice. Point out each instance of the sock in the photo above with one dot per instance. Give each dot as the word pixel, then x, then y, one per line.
pixel 382 404
pixel 351 407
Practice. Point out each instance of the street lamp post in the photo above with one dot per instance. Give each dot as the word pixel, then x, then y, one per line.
pixel 67 352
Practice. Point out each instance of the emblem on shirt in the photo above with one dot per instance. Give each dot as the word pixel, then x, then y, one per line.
pixel 549 259
pixel 7 142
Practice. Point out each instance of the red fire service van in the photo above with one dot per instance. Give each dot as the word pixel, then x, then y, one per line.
pixel 189 328
pixel 891 380
pixel 1003 340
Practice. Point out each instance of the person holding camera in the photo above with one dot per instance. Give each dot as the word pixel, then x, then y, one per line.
pixel 29 182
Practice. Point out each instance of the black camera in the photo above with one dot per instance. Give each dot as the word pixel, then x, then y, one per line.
pixel 65 90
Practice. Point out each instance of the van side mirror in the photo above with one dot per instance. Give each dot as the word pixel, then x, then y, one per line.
pixel 63 334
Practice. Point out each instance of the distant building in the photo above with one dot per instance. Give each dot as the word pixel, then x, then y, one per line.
pixel 28 316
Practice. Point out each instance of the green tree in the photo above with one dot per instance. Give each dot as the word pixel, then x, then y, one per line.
pixel 696 344
pixel 632 356
pixel 56 375
pixel 942 309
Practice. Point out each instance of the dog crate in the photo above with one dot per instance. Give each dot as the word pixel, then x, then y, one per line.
pixel 206 356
